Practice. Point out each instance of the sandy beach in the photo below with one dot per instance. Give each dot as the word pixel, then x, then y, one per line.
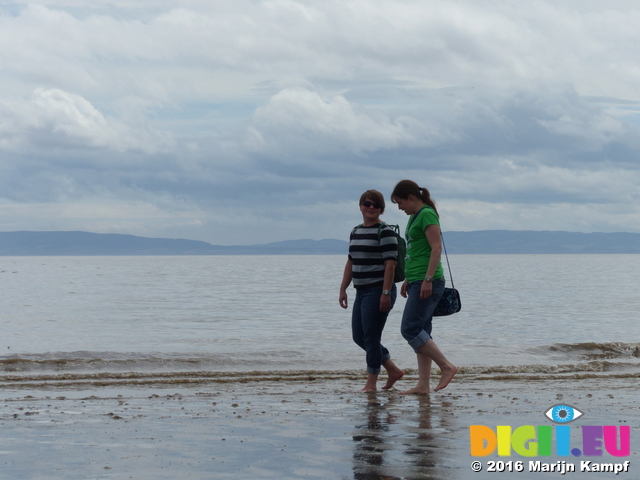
pixel 276 426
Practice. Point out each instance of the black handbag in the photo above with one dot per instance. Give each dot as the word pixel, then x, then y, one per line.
pixel 450 302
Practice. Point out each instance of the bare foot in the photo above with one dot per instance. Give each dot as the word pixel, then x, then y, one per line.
pixel 393 377
pixel 417 390
pixel 368 390
pixel 446 376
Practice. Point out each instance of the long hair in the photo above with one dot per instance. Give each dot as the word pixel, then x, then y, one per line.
pixel 404 188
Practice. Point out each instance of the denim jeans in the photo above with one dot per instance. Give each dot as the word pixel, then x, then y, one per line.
pixel 417 315
pixel 367 323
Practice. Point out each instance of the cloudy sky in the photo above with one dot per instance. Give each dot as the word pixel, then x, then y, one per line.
pixel 251 121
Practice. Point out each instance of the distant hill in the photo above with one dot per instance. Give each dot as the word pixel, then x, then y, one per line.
pixel 84 243
pixel 479 242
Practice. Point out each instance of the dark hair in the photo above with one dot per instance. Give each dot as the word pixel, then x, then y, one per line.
pixel 374 196
pixel 404 188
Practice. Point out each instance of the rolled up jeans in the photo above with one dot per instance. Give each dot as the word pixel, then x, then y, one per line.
pixel 416 318
pixel 367 324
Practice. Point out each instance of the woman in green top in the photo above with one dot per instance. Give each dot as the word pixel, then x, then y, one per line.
pixel 424 282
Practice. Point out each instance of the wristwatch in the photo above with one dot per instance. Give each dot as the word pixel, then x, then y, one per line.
pixel 428 279
pixel 386 292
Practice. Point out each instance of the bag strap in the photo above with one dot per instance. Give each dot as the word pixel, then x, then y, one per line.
pixel 394 228
pixel 415 216
pixel 447 257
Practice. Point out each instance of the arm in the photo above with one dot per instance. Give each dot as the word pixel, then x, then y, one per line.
pixel 389 271
pixel 432 232
pixel 403 289
pixel 346 281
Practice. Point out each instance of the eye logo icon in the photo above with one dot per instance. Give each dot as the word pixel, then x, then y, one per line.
pixel 562 413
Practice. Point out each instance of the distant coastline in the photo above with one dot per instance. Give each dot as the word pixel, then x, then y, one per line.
pixel 26 243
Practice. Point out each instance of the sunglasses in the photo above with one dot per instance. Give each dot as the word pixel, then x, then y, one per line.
pixel 368 204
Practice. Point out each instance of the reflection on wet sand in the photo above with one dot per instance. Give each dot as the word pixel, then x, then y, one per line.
pixel 388 447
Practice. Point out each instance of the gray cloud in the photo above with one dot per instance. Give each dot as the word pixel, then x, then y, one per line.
pixel 214 120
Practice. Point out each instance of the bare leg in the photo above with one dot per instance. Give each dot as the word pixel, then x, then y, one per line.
pixel 447 369
pixel 370 386
pixel 394 373
pixel 424 376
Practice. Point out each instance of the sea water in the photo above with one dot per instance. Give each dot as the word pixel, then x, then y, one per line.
pixel 521 314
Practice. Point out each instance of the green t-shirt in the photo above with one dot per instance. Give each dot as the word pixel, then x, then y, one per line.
pixel 418 248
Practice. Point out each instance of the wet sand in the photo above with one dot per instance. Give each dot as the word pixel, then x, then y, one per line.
pixel 316 426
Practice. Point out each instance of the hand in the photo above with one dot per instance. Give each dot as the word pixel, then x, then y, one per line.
pixel 385 303
pixel 425 290
pixel 403 289
pixel 343 300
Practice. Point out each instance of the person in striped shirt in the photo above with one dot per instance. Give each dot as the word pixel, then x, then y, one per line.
pixel 373 251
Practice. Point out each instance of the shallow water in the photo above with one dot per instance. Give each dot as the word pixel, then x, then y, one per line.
pixel 522 315
pixel 243 367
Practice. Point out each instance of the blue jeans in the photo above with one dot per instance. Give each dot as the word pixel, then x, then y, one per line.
pixel 417 315
pixel 367 323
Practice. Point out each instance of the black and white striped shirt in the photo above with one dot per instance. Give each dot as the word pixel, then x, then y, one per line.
pixel 368 254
